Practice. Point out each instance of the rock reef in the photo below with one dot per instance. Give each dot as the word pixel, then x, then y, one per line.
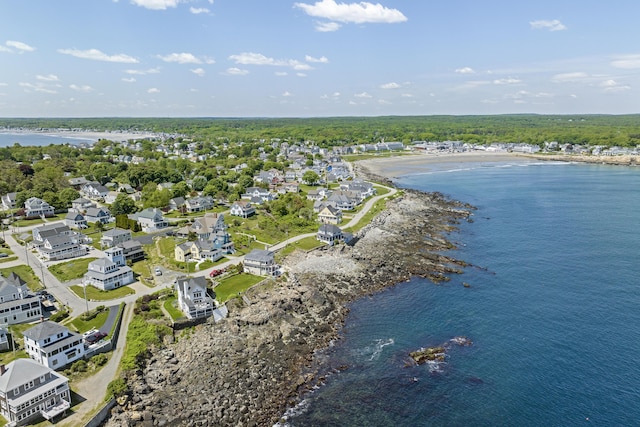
pixel 247 369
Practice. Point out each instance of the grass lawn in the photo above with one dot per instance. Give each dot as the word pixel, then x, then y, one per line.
pixel 29 222
pixel 366 219
pixel 381 191
pixel 231 287
pixel 26 273
pixel 305 244
pixel 84 326
pixel 95 294
pixel 70 270
pixel 170 306
pixel 11 258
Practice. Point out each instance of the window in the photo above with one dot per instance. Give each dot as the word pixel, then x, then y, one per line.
pixel 28 385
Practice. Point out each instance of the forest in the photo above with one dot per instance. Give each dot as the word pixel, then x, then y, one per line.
pixel 605 130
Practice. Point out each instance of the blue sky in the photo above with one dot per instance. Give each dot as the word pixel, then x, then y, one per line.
pixel 306 58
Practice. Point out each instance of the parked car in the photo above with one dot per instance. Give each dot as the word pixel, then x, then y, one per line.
pixel 215 272
pixel 95 337
pixel 158 272
pixel 3 255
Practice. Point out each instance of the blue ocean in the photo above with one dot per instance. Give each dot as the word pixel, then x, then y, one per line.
pixel 552 309
pixel 8 139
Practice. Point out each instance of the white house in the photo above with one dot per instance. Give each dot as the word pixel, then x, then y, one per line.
pixel 52 345
pixel 329 233
pixel 261 262
pixel 9 201
pixel 110 272
pixel 94 215
pixel 75 220
pixel 242 208
pixel 81 204
pixel 113 237
pixel 193 299
pixel 34 207
pixel 29 391
pixel 94 190
pixel 199 204
pixel 17 305
pixel 150 219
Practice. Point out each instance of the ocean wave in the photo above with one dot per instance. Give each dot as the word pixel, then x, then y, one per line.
pixel 373 351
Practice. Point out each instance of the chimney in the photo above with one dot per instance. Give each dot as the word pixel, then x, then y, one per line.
pixel 3 369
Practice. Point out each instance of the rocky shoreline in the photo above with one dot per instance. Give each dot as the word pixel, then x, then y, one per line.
pixel 247 369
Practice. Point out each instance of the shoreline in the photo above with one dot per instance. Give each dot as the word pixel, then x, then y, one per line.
pixel 82 135
pixel 260 361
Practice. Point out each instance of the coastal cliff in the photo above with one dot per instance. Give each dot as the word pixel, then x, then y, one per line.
pixel 247 369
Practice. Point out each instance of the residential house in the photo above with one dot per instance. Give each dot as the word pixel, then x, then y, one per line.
pixel 199 204
pixel 210 228
pixel 318 194
pixel 17 305
pixel 193 299
pixel 113 237
pixel 34 207
pixel 242 208
pixel 330 215
pixel 261 262
pixel 40 234
pixel 165 186
pixel 78 183
pixel 176 203
pixel 53 345
pixel 329 233
pixel 94 190
pixel 56 242
pixel 366 189
pixel 132 250
pixel 94 215
pixel 9 201
pixel 288 187
pixel 111 197
pixel 256 192
pixel 109 273
pixel 75 220
pixel 81 204
pixel 29 391
pixel 150 220
pixel 342 201
pixel 197 250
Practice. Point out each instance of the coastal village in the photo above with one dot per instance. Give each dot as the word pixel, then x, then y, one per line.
pixel 172 249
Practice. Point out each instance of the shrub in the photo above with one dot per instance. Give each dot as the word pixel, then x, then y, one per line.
pixel 99 359
pixel 79 366
pixel 117 388
pixel 59 315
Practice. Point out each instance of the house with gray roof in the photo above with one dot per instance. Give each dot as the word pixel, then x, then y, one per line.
pixel 30 391
pixel 193 299
pixel 150 219
pixel 109 273
pixel 81 204
pixel 9 201
pixel 53 345
pixel 261 262
pixel 94 190
pixel 329 233
pixel 113 237
pixel 132 250
pixel 75 220
pixel 199 204
pixel 34 207
pixel 94 215
pixel 17 304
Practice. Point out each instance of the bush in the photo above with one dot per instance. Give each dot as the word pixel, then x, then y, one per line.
pixel 79 366
pixel 99 359
pixel 59 315
pixel 117 388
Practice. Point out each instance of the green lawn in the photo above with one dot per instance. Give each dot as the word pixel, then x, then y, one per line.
pixel 26 273
pixel 366 219
pixel 11 258
pixel 70 270
pixel 171 306
pixel 305 244
pixel 96 294
pixel 84 326
pixel 231 287
pixel 381 191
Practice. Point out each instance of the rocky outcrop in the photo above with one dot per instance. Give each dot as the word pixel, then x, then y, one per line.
pixel 247 369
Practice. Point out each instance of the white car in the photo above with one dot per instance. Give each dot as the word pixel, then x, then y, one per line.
pixel 158 272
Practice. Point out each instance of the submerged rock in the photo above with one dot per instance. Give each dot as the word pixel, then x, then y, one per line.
pixel 433 354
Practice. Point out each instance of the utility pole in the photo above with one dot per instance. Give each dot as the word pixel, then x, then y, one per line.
pixel 86 301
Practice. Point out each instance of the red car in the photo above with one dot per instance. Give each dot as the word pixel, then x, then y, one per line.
pixel 215 273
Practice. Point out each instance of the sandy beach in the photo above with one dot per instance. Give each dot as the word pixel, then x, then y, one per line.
pixel 86 134
pixel 393 167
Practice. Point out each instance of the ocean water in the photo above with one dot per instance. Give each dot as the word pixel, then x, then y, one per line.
pixel 553 310
pixel 8 139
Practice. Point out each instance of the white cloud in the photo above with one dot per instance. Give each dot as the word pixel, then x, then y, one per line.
pixel 287 94
pixel 198 10
pixel 47 78
pixel 327 27
pixel 570 77
pixel 392 85
pixel 143 72
pixel 357 13
pixel 384 102
pixel 465 70
pixel 23 47
pixel 322 59
pixel 129 80
pixel 611 85
pixel 181 58
pixel 406 95
pixel 156 4
pixel 153 90
pixel 550 25
pixel 96 55
pixel 236 71
pixel 506 81
pixel 281 73
pixel 626 61
pixel 362 95
pixel 198 72
pixel 301 74
pixel 83 88
pixel 38 87
pixel 251 58
pixel 4 49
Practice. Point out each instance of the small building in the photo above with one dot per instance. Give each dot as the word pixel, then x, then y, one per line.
pixel 75 220
pixel 176 203
pixel 111 197
pixel 330 215
pixel 198 250
pixel 150 219
pixel 330 234
pixel 94 215
pixel 9 201
pixel 81 204
pixel 243 209
pixel 94 190
pixel 53 345
pixel 193 299
pixel 35 207
pixel 29 391
pixel 132 250
pixel 4 339
pixel 199 204
pixel 261 262
pixel 109 273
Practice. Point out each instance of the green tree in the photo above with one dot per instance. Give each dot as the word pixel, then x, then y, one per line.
pixel 180 189
pixel 123 205
pixel 310 177
pixel 66 196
